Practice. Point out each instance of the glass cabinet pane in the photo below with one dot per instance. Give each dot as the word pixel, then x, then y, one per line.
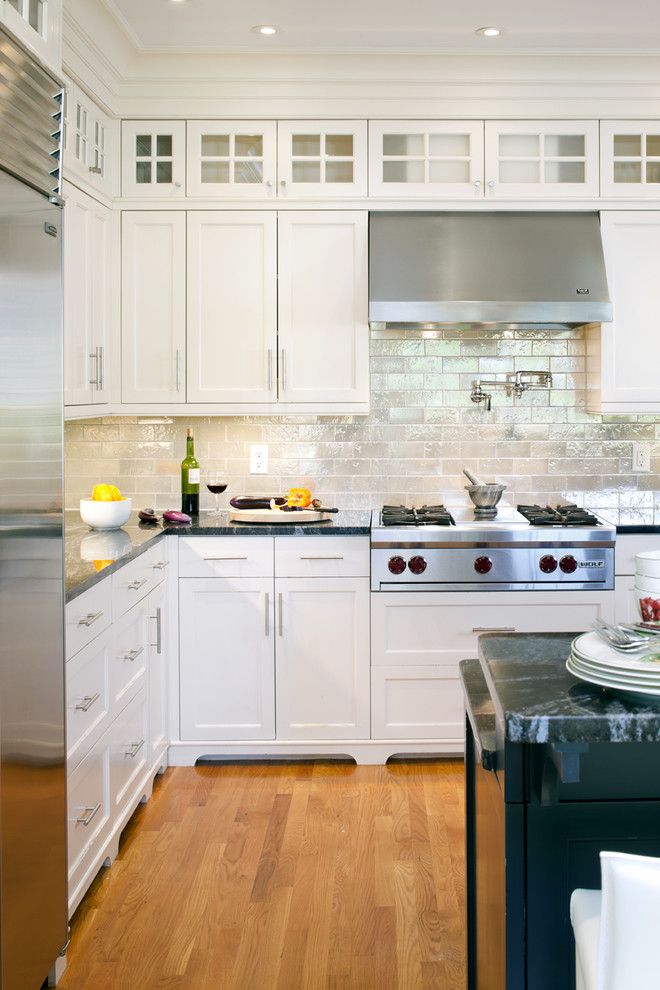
pixel 164 145
pixel 564 146
pixel 143 172
pixel 519 145
pixel 449 171
pixel 215 145
pixel 306 172
pixel 339 145
pixel 627 171
pixel 449 145
pixel 143 145
pixel 653 145
pixel 519 172
pixel 653 171
pixel 306 145
pixel 564 171
pixel 339 172
pixel 215 172
pixel 403 144
pixel 248 171
pixel 412 171
pixel 627 145
pixel 163 171
pixel 248 146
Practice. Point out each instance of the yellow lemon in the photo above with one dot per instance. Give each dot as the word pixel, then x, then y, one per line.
pixel 102 493
pixel 115 493
pixel 100 564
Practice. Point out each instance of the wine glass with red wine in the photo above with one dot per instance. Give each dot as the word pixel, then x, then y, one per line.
pixel 216 484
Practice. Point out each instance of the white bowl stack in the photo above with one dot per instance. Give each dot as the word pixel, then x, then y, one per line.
pixel 647 586
pixel 595 662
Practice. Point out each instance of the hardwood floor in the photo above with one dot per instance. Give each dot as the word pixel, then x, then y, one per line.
pixel 283 877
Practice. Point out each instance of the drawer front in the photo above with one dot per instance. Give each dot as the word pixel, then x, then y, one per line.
pixel 628 545
pixel 226 556
pixel 88 811
pixel 128 662
pixel 428 628
pixel 87 616
pixel 416 703
pixel 128 752
pixel 134 581
pixel 322 556
pixel 88 703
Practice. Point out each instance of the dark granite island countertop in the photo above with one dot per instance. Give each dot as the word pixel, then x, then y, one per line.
pixel 537 701
pixel 91 555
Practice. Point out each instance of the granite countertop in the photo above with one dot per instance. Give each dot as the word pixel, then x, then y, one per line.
pixel 538 701
pixel 91 555
pixel 481 709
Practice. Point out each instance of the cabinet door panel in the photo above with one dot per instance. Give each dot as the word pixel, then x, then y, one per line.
pixel 630 158
pixel 128 664
pixel 323 302
pixel 321 158
pixel 541 159
pixel 621 379
pixel 323 658
pixel 153 307
pixel 227 665
pixel 153 159
pixel 426 158
pixel 232 307
pixel 423 702
pixel 232 159
pixel 128 752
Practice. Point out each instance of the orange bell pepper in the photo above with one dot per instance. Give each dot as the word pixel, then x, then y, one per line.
pixel 301 497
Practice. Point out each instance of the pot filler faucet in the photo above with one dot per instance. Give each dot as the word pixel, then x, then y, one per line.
pixel 515 382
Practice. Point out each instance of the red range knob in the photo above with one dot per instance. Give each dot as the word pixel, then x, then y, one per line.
pixel 396 565
pixel 483 565
pixel 417 565
pixel 548 564
pixel 568 564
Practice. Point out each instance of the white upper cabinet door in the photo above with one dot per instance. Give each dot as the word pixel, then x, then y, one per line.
pixel 153 336
pixel 323 665
pixel 38 24
pixel 90 145
pixel 227 658
pixel 153 159
pixel 621 356
pixel 232 159
pixel 90 246
pixel 550 159
pixel 232 306
pixel 422 158
pixel 318 158
pixel 630 158
pixel 323 301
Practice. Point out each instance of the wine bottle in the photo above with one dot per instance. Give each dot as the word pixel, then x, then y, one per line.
pixel 190 476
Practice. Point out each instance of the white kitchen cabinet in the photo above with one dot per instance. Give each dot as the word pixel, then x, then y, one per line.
pixel 322 304
pixel 159 620
pixel 535 159
pixel 128 666
pixel 89 818
pixel 153 159
pixel 90 143
pixel 153 334
pixel 232 159
pixel 38 24
pixel 91 245
pixel 421 158
pixel 630 158
pixel 232 307
pixel 89 708
pixel 128 753
pixel 417 702
pixel 227 658
pixel 322 658
pixel 622 370
pixel 321 158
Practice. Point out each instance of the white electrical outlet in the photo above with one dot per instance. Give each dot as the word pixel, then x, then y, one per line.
pixel 641 458
pixel 258 458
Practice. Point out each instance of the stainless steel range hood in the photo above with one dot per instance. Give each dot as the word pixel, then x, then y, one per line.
pixel 491 270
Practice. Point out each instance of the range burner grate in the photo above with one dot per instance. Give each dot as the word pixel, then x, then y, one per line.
pixel 560 515
pixel 425 515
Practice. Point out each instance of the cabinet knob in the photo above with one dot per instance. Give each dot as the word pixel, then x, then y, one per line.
pixel 177 185
pixel 477 183
pixel 491 183
pixel 269 184
pixel 283 182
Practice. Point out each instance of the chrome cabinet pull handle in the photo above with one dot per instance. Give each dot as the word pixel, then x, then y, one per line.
pixel 136 585
pixel 134 749
pixel 281 611
pixel 159 632
pixel 270 369
pixel 225 558
pixel 88 814
pixel 267 629
pixel 492 629
pixel 322 558
pixel 283 377
pixel 95 358
pixel 161 565
pixel 95 170
pixel 101 366
pixel 86 703
pixel 89 619
pixel 133 654
pixel 178 370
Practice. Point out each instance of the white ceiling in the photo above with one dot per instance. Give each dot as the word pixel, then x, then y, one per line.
pixel 423 26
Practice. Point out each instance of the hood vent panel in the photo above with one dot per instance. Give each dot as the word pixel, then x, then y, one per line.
pixel 491 270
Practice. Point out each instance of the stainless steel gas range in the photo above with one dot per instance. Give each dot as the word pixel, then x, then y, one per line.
pixel 531 548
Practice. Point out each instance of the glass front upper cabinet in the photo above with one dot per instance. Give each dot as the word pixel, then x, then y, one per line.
pixel 321 158
pixel 630 158
pixel 153 159
pixel 443 158
pixel 37 23
pixel 541 159
pixel 232 159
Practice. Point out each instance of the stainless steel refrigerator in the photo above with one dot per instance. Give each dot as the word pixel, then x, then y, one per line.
pixel 33 882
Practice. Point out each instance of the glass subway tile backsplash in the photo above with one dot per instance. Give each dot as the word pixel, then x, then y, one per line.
pixel 422 430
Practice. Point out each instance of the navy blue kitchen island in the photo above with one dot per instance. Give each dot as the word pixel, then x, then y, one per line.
pixel 556 770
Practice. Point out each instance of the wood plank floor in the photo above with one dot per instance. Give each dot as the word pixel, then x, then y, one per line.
pixel 283 877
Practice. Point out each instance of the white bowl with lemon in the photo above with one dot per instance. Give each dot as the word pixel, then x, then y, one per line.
pixel 107 508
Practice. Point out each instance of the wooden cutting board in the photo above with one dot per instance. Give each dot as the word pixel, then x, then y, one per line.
pixel 277 516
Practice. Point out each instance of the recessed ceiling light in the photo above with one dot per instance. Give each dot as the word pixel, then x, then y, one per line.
pixel 488 32
pixel 264 29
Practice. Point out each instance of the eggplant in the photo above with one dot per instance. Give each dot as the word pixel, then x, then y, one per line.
pixel 172 516
pixel 250 502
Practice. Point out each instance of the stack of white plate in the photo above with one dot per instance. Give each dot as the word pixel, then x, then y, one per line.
pixel 594 661
pixel 647 586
